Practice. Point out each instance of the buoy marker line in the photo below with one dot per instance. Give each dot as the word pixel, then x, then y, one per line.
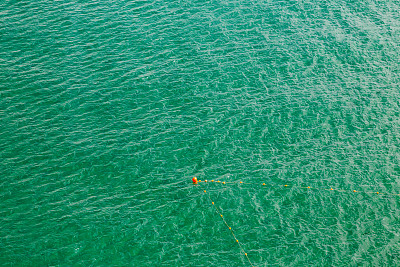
pixel 230 228
pixel 263 184
pixel 195 181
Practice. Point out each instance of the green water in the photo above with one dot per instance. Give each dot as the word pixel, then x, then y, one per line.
pixel 109 108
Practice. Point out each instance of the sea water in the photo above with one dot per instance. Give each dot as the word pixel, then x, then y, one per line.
pixel 109 108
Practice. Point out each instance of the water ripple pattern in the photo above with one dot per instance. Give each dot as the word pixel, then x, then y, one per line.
pixel 109 108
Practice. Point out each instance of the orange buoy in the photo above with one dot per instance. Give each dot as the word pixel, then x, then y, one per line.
pixel 194 180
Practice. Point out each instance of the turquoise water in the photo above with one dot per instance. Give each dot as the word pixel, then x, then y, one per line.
pixel 109 108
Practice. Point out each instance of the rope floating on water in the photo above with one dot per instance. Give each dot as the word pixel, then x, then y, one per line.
pixel 293 186
pixel 195 182
pixel 227 225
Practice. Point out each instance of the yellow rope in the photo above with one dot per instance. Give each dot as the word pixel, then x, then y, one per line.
pixel 302 187
pixel 271 184
pixel 230 228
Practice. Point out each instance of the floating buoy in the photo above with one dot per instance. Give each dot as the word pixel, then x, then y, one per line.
pixel 194 180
